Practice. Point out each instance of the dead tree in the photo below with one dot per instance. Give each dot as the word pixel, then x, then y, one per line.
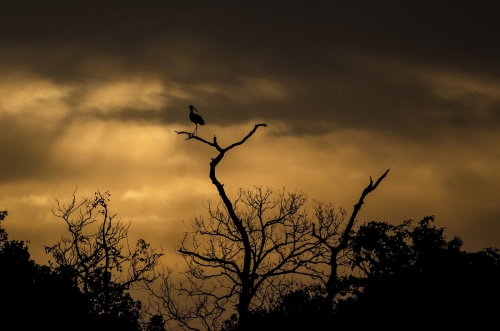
pixel 241 254
pixel 330 252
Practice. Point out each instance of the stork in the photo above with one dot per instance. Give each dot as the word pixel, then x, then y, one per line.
pixel 196 119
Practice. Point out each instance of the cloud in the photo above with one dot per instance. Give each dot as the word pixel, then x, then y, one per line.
pixel 353 91
pixel 409 69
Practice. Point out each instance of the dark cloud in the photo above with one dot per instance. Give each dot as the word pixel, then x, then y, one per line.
pixel 337 64
pixel 454 29
pixel 25 150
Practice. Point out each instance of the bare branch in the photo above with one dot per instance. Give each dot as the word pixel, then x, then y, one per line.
pixel 332 242
pixel 96 250
pixel 246 137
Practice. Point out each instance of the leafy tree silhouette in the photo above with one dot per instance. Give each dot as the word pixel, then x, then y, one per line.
pixel 3 233
pixel 29 289
pixel 411 276
pixel 414 273
pixel 156 323
pixel 296 309
pixel 36 296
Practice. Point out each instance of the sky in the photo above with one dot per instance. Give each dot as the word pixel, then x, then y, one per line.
pixel 93 92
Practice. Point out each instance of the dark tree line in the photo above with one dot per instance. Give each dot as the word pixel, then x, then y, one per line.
pixel 31 293
pixel 407 276
pixel 413 272
pixel 86 286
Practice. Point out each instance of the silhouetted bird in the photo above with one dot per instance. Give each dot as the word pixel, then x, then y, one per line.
pixel 195 118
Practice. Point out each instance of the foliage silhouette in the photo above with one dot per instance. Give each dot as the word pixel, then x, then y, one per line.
pixel 409 275
pixel 412 271
pixel 51 298
pixel 297 309
pixel 47 296
pixel 156 323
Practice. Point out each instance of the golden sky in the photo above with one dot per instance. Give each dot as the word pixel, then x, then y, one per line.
pixel 91 95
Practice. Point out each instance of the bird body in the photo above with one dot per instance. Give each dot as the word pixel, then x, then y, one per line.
pixel 195 118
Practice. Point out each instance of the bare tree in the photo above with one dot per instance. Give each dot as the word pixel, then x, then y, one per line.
pixel 241 254
pixel 98 253
pixel 247 251
pixel 331 254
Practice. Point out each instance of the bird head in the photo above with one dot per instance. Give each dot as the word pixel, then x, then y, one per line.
pixel 192 108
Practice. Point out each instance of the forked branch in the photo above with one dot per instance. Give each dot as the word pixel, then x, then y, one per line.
pixel 330 245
